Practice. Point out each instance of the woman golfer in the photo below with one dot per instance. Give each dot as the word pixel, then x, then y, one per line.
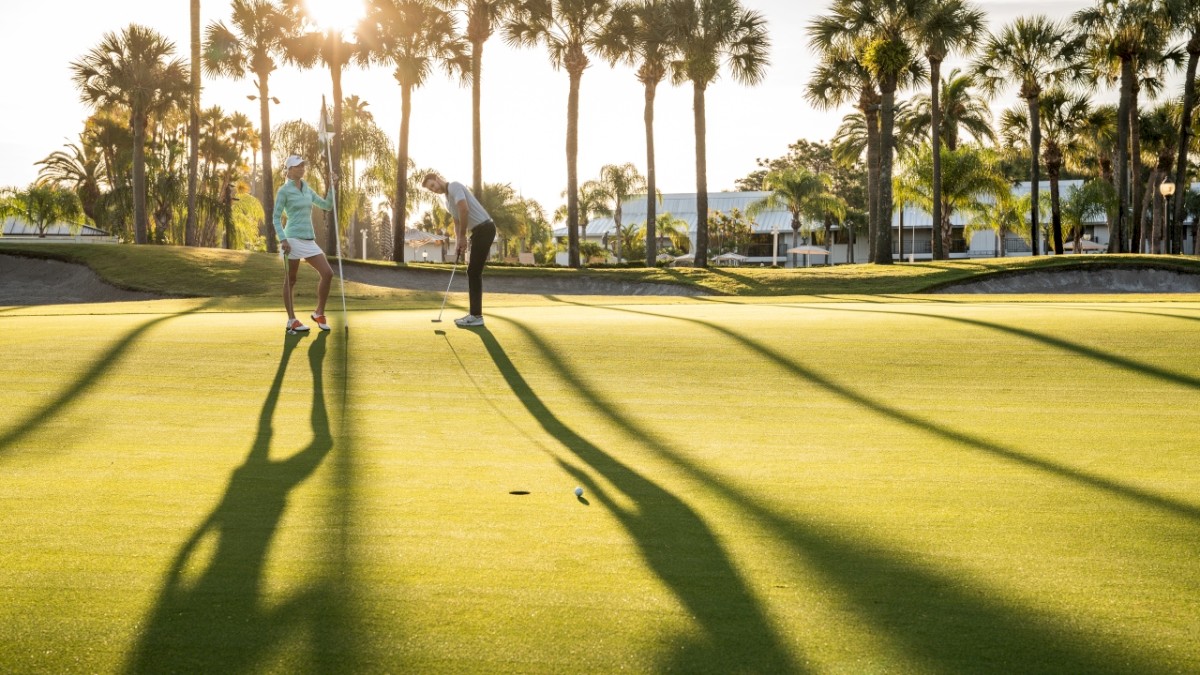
pixel 298 241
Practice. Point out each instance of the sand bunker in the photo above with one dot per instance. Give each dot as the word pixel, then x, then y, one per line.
pixel 1112 280
pixel 34 281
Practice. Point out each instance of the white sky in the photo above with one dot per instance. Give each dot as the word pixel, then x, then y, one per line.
pixel 524 99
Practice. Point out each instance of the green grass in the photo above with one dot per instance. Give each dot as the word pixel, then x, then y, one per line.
pixel 214 272
pixel 771 486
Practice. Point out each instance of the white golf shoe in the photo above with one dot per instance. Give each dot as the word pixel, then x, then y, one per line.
pixel 469 320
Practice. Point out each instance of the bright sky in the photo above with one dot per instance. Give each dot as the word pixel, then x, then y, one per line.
pixel 524 99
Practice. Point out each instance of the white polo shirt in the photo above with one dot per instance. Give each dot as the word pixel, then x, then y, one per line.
pixel 457 192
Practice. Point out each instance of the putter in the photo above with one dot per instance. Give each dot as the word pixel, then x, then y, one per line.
pixel 457 257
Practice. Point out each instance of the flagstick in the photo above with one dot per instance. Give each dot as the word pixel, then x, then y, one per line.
pixel 328 136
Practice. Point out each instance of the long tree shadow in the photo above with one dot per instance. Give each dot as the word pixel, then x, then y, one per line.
pixel 216 620
pixel 678 546
pixel 103 364
pixel 939 618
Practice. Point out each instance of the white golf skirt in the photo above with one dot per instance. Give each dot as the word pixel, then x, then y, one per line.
pixel 304 248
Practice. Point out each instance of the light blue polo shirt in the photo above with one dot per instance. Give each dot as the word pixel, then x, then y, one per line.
pixel 297 202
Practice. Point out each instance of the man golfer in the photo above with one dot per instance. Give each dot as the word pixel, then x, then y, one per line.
pixel 298 241
pixel 469 216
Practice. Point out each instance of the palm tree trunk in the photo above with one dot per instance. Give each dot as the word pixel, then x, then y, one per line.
pixel 883 233
pixel 1116 241
pixel 701 257
pixel 476 112
pixel 871 115
pixel 400 209
pixel 1135 170
pixel 572 171
pixel 1053 166
pixel 651 179
pixel 140 225
pixel 1035 146
pixel 1155 213
pixel 1175 224
pixel 189 228
pixel 335 69
pixel 935 125
pixel 268 180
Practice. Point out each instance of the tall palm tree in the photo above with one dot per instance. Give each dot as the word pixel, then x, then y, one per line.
pixel 362 140
pixel 569 29
pixel 414 37
pixel 1159 135
pixel 707 33
pixel 1184 16
pixel 1035 53
pixel 880 35
pixel 260 31
pixel 482 18
pixel 1065 119
pixel 639 36
pixel 805 195
pixel 189 228
pixel 1120 35
pixel 841 77
pixel 944 27
pixel 133 69
pixel 617 183
pixel 315 45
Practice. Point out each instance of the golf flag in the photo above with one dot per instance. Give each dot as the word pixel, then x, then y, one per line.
pixel 324 126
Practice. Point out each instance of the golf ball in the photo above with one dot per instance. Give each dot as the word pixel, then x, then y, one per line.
pixel 578 492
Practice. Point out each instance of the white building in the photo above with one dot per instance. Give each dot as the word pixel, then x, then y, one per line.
pixel 18 229
pixel 772 230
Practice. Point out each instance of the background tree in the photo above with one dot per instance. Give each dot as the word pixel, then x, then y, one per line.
pixel 189 229
pixel 1064 119
pixel 569 29
pixel 414 37
pixel 1160 131
pixel 1083 204
pixel 1034 53
pixel 708 33
pixel 969 181
pixel 79 168
pixel 41 205
pixel 944 26
pixel 259 35
pixel 1008 213
pixel 1184 17
pixel 133 69
pixel 638 35
pixel 616 185
pixel 962 111
pixel 804 194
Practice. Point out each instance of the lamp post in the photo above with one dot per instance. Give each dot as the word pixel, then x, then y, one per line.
pixel 1167 188
pixel 774 243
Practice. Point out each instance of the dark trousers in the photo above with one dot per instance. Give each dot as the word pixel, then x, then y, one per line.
pixel 482 237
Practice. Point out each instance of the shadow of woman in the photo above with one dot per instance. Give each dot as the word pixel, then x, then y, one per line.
pixel 679 547
pixel 217 622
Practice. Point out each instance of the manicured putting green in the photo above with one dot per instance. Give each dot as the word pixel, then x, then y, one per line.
pixel 771 487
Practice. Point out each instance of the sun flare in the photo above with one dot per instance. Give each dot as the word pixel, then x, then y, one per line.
pixel 335 14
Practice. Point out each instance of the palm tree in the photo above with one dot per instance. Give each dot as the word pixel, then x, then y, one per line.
pixel 841 77
pixel 1035 53
pixel 329 47
pixel 969 181
pixel 806 195
pixel 261 29
pixel 133 69
pixel 414 37
pixel 707 32
pixel 80 168
pixel 1184 15
pixel 362 140
pixel 1159 132
pixel 482 18
pixel 944 26
pixel 961 111
pixel 879 35
pixel 569 29
pixel 1122 35
pixel 1082 203
pixel 189 229
pixel 639 36
pixel 617 183
pixel 1008 213
pixel 1064 119
pixel 40 205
